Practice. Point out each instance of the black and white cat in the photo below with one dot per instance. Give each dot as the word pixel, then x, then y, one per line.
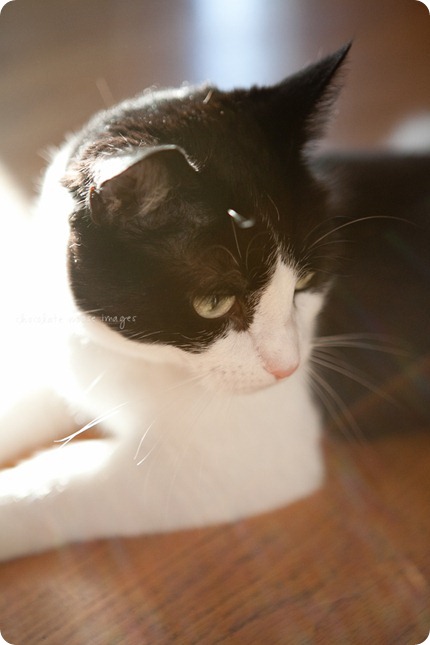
pixel 185 249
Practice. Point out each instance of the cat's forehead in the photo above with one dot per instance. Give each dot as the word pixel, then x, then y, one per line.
pixel 224 143
pixel 212 126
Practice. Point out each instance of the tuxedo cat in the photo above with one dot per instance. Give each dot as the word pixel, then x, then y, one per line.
pixel 183 249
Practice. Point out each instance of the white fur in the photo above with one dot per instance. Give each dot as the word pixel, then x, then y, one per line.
pixel 190 439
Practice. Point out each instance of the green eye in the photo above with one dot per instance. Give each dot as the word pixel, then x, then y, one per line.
pixel 303 282
pixel 213 306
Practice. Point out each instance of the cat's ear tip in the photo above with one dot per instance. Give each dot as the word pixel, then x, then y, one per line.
pixel 342 53
pixel 334 61
pixel 344 49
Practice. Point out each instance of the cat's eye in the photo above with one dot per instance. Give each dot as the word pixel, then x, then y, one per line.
pixel 213 306
pixel 304 281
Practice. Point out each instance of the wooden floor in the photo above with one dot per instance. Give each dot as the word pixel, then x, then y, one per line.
pixel 348 565
pixel 351 564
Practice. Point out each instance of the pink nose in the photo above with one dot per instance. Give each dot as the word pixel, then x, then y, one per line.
pixel 279 373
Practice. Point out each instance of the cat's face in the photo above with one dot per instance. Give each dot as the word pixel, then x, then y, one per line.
pixel 198 226
pixel 276 343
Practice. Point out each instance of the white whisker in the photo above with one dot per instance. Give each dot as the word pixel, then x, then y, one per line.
pixel 252 240
pixel 374 342
pixel 337 365
pixel 93 383
pixel 226 250
pixel 145 434
pixel 90 311
pixel 275 207
pixel 167 408
pixel 236 240
pixel 356 221
pixel 90 425
pixel 335 406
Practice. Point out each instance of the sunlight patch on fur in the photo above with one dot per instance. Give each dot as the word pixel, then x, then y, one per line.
pixel 50 471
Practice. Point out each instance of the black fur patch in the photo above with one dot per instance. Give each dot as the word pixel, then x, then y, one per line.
pixel 136 261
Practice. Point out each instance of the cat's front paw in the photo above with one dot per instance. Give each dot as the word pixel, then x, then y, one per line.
pixel 49 499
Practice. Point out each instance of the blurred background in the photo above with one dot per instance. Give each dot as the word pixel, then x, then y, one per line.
pixel 60 61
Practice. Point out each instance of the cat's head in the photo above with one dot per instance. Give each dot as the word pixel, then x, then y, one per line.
pixel 198 230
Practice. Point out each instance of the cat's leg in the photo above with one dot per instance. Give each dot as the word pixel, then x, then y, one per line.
pixel 33 422
pixel 182 467
pixel 58 496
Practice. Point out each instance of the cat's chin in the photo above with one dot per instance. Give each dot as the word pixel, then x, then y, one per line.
pixel 250 389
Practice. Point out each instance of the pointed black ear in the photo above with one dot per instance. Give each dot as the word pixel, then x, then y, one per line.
pixel 317 90
pixel 298 107
pixel 137 187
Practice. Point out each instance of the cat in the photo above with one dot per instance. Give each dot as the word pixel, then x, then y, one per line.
pixel 185 248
